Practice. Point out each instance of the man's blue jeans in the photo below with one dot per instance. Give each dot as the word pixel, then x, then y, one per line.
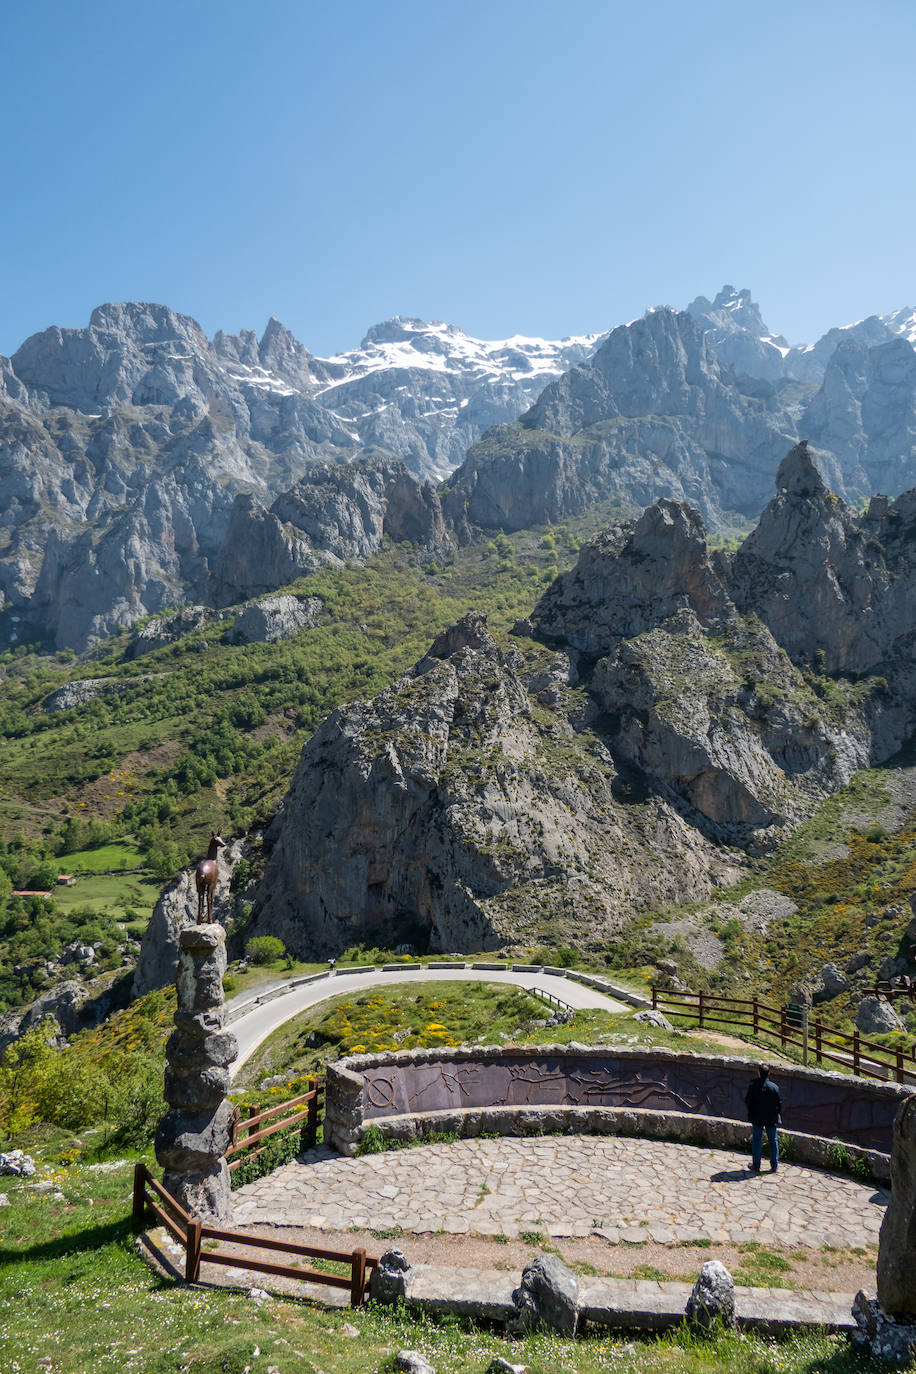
pixel 757 1145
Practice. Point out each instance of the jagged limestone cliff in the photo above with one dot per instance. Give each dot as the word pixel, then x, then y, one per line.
pixel 671 721
pixel 466 806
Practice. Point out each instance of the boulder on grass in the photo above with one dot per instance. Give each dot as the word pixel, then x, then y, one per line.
pixel 547 1296
pixel 712 1302
pixel 391 1279
pixel 877 1017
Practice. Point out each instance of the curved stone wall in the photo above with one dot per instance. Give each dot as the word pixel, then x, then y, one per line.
pixel 521 1089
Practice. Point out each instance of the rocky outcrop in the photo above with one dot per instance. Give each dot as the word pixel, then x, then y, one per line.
pixel 165 630
pixel 699 661
pixel 338 513
pixel 177 905
pixel 457 810
pixel 874 1016
pixel 831 585
pixel 442 813
pixel 273 618
pixel 76 693
pixel 62 1005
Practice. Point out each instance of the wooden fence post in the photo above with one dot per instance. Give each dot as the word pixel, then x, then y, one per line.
pixel 817 1040
pixel 899 1065
pixel 700 999
pixel 358 1277
pixel 311 1125
pixel 192 1250
pixel 782 1026
pixel 250 1112
pixel 139 1204
pixel 855 1052
pixel 756 1013
pixel 654 997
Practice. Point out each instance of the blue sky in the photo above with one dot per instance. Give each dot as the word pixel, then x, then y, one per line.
pixel 529 166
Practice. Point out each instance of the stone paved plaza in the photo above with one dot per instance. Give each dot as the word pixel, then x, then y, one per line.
pixel 626 1190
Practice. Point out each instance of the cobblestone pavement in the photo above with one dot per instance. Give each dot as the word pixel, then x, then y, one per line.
pixel 625 1190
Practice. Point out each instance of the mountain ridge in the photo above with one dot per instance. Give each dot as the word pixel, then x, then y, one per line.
pixel 137 456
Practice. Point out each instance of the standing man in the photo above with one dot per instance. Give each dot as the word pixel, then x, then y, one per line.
pixel 763 1109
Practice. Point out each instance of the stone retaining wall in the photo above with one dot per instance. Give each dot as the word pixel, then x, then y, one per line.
pixel 578 1088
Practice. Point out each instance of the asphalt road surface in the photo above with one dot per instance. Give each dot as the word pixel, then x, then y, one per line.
pixel 255 1023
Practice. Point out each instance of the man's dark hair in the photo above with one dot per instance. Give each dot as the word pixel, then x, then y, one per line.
pixel 763 1071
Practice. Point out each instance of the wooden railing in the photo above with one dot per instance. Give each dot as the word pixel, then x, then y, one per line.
pixel 260 1125
pixel 190 1232
pixel 867 1058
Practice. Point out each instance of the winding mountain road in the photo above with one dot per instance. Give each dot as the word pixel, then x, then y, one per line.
pixel 253 1016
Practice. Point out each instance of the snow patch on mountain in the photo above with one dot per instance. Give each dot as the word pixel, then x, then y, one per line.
pixel 408 344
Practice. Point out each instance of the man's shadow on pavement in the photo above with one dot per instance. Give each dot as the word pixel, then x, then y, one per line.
pixel 733 1175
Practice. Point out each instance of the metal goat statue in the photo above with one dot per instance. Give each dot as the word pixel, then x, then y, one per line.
pixel 206 876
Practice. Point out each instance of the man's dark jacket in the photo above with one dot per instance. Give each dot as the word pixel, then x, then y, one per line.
pixel 762 1102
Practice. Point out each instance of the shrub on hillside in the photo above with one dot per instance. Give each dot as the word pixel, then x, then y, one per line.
pixel 264 949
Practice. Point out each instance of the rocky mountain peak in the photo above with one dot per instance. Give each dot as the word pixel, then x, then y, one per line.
pixel 145 322
pixel 470 632
pixel 737 331
pixel 799 475
pixel 743 311
pixel 280 351
pixel 646 366
pixel 633 579
pixel 398 329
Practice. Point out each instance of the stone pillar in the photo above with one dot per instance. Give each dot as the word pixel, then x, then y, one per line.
pixel 194 1135
pixel 897 1241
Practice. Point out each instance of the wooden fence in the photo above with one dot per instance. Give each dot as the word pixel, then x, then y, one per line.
pixel 190 1233
pixel 259 1125
pixel 867 1058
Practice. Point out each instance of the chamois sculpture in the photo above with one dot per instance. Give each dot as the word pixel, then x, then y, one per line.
pixel 206 876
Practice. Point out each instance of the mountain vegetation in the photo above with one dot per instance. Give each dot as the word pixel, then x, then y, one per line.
pixel 499 710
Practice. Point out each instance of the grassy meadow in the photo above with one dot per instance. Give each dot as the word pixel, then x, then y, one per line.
pixel 77 1299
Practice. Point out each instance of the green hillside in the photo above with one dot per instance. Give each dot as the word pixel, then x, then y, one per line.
pixel 202 735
